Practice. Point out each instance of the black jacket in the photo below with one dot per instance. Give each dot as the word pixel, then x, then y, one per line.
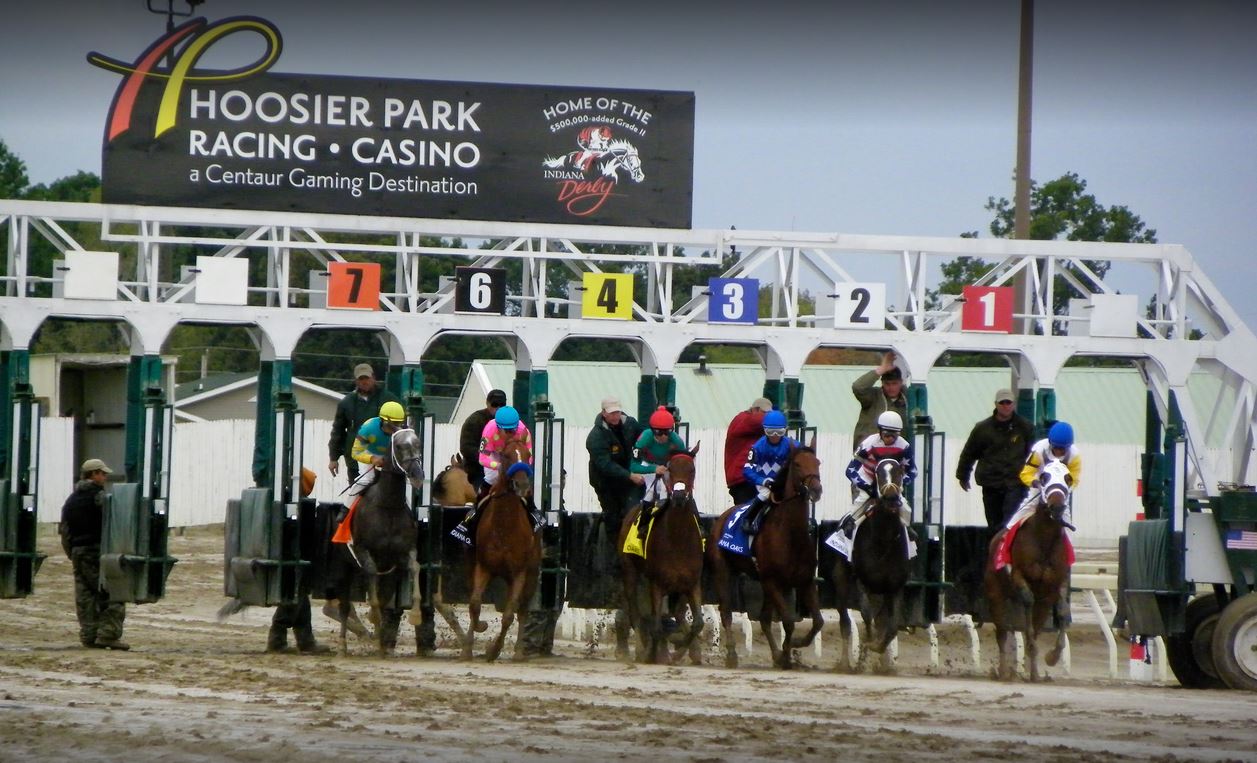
pixel 351 412
pixel 82 516
pixel 1000 448
pixel 469 443
pixel 610 450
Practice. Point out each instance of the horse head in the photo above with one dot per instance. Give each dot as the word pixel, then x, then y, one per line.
pixel 889 474
pixel 1055 485
pixel 407 456
pixel 622 155
pixel 681 476
pixel 452 487
pixel 516 458
pixel 802 473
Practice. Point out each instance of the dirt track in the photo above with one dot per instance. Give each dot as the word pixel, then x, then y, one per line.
pixel 194 689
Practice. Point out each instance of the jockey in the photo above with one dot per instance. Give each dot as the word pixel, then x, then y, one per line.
pixel 887 443
pixel 764 463
pixel 504 426
pixel 1057 446
pixel 650 459
pixel 374 441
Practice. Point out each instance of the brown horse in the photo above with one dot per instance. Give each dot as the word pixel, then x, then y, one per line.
pixel 784 559
pixel 1023 595
pixel 450 488
pixel 673 563
pixel 873 579
pixel 506 547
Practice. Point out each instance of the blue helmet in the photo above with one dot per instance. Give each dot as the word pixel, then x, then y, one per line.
pixel 506 417
pixel 1061 435
pixel 774 420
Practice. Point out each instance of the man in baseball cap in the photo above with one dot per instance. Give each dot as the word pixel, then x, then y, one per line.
pixel 999 446
pixel 612 405
pixel 82 517
pixel 351 412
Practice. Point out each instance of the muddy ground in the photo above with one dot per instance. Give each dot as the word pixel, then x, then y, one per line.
pixel 193 689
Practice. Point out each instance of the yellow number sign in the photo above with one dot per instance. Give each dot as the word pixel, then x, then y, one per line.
pixel 608 296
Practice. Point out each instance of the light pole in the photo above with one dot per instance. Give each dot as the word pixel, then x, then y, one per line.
pixel 170 14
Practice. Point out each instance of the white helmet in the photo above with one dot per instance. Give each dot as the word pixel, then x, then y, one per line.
pixel 890 420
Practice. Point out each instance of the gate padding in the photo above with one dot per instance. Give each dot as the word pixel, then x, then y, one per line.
pixel 133 559
pixel 19 558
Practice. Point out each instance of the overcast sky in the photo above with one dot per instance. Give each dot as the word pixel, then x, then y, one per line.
pixel 894 117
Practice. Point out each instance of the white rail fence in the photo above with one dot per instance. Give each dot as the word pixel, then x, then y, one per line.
pixel 212 463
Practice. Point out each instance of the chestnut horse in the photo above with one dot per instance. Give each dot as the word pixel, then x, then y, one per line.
pixel 451 487
pixel 673 563
pixel 1023 595
pixel 873 580
pixel 506 547
pixel 784 559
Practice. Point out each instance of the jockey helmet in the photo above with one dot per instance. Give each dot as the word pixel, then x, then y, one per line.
pixel 1061 435
pixel 890 420
pixel 774 420
pixel 506 417
pixel 392 412
pixel 661 419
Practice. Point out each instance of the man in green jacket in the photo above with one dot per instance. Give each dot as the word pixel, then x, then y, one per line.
pixel 874 400
pixel 351 412
pixel 999 444
pixel 610 445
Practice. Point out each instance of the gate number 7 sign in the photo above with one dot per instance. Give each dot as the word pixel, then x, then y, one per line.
pixel 353 285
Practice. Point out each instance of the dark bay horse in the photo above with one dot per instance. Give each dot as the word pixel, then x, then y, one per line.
pixel 784 560
pixel 384 531
pixel 673 563
pixel 1023 595
pixel 506 547
pixel 873 579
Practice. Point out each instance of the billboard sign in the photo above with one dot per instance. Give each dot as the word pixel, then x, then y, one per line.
pixel 250 138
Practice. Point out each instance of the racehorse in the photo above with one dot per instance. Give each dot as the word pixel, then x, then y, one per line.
pixel 673 563
pixel 506 547
pixel 384 530
pixel 450 488
pixel 1023 594
pixel 784 559
pixel 874 577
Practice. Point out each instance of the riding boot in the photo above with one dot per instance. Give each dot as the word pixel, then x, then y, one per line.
pixel 534 516
pixel 643 520
pixel 750 520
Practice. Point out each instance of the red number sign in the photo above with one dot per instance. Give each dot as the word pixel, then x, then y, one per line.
pixel 353 285
pixel 987 308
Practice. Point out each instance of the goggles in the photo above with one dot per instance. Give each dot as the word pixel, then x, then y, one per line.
pixel 661 431
pixel 775 432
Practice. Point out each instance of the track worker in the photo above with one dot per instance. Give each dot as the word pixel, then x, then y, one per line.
pixel 82 520
pixel 999 444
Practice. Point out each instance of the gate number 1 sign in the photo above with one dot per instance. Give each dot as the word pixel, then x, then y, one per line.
pixel 987 308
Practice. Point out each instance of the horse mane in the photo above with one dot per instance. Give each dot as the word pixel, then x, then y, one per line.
pixel 621 145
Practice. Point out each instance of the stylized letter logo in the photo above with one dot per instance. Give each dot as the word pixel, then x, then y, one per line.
pixel 198 36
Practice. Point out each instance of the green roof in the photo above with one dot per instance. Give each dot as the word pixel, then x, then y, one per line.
pixel 1103 404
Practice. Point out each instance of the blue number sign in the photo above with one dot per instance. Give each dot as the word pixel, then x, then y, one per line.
pixel 733 300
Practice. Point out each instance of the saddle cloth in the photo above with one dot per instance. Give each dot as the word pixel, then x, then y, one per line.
pixel 733 539
pixel 342 534
pixel 634 544
pixel 1003 554
pixel 839 541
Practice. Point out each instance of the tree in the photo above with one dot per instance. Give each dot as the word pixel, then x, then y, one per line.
pixel 1059 209
pixel 13 178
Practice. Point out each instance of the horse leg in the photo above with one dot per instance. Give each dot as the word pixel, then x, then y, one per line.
pixel 631 609
pixel 889 624
pixel 479 580
pixel 447 612
pixel 811 600
pixel 1039 614
pixel 695 599
pixel 844 652
pixel 344 607
pixel 775 601
pixel 514 594
pixel 655 628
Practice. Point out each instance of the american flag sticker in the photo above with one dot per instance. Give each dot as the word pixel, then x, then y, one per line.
pixel 1245 539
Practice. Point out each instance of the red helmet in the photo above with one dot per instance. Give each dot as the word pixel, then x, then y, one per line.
pixel 661 419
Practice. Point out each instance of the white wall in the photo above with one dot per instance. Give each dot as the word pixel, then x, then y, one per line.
pixel 212 463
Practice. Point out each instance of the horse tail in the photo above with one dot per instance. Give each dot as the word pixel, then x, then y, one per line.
pixel 230 608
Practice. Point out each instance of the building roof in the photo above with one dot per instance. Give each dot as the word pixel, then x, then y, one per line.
pixel 207 387
pixel 1103 404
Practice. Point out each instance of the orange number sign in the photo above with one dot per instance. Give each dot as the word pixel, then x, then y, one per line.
pixel 353 285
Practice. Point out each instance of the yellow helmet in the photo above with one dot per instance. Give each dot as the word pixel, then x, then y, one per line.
pixel 392 412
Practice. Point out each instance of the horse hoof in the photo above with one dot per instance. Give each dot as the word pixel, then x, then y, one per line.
pixel 731 661
pixel 1052 658
pixel 482 627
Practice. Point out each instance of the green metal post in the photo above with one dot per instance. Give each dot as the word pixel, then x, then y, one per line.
pixel 646 399
pixel 795 419
pixel 19 557
pixel 521 394
pixel 406 381
pixel 1153 469
pixel 144 389
pixel 775 390
pixel 666 394
pixel 274 393
pixel 1045 410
